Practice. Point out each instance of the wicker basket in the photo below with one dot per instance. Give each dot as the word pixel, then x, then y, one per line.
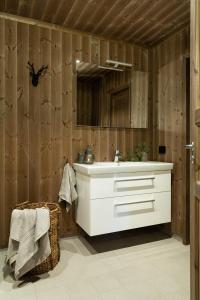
pixel 54 257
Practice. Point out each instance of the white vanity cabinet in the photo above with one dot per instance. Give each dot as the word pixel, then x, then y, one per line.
pixel 123 198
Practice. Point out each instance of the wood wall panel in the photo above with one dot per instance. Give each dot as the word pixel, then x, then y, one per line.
pixel 11 176
pixel 45 114
pixel 169 115
pixel 2 133
pixel 34 115
pixel 56 115
pixel 37 130
pixel 22 112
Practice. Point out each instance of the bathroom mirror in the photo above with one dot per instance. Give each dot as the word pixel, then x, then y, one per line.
pixel 110 97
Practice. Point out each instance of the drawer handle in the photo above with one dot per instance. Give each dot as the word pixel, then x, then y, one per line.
pixel 143 201
pixel 134 179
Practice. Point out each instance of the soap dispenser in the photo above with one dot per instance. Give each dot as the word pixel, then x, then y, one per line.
pixel 89 156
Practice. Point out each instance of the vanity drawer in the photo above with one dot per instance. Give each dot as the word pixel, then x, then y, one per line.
pixel 123 213
pixel 152 209
pixel 130 184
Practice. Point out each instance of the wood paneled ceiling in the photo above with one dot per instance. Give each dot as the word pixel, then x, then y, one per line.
pixel 144 22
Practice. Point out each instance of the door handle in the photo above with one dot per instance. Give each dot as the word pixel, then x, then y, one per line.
pixel 191 147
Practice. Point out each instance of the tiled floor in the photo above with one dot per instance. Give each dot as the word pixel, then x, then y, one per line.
pixel 153 271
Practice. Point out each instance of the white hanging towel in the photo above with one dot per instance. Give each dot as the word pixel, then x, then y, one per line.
pixel 67 191
pixel 29 243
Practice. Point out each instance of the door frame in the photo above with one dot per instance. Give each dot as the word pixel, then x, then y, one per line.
pixel 194 187
pixel 186 205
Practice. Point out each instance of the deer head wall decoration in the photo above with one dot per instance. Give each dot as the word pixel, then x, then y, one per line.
pixel 36 75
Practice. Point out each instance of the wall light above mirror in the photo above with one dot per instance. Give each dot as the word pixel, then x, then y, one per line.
pixel 112 95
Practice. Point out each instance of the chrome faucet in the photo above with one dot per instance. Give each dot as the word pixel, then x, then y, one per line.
pixel 117 154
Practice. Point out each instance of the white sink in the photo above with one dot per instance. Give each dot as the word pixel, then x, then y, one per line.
pixel 121 167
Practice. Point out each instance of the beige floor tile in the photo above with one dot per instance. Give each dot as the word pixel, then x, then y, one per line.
pixel 19 294
pixel 83 291
pixel 80 296
pixel 154 271
pixel 118 294
pixel 179 295
pixel 144 291
pixel 52 293
pixel 105 283
pixel 96 268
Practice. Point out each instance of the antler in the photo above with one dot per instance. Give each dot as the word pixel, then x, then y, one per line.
pixel 36 75
pixel 43 68
pixel 31 68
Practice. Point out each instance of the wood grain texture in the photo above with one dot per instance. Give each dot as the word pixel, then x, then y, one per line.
pixel 11 157
pixel 143 22
pixel 22 113
pixel 197 117
pixel 3 109
pixel 169 110
pixel 34 115
pixel 37 129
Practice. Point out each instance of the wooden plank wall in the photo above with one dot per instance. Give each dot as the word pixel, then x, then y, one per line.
pixel 37 132
pixel 169 114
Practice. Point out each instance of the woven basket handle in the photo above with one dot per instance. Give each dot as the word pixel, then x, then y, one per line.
pixel 22 203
